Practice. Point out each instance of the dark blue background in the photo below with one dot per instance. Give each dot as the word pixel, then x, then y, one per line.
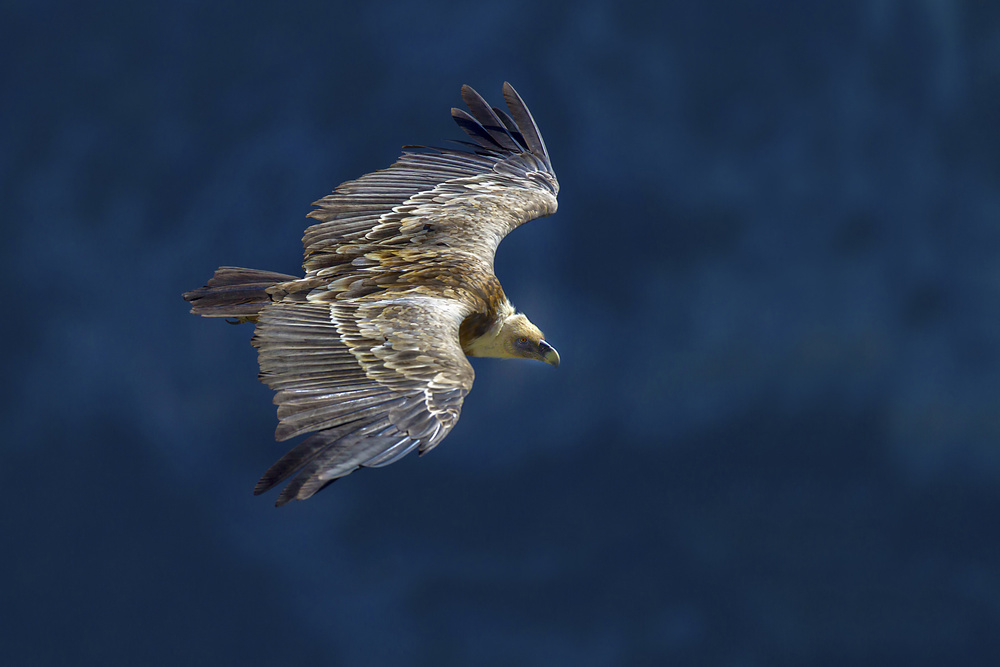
pixel 773 279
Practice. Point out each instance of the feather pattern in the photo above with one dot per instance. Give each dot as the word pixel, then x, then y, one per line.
pixel 392 379
pixel 366 352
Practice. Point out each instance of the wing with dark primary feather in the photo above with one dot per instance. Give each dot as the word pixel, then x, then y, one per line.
pixel 443 200
pixel 374 381
pixel 370 362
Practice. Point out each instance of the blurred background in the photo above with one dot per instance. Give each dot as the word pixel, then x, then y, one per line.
pixel 773 280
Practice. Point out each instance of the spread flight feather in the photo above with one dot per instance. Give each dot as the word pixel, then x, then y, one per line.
pixel 367 352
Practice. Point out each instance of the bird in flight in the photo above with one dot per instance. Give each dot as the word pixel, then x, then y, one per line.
pixel 367 352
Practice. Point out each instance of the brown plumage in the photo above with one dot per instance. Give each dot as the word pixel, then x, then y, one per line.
pixel 367 352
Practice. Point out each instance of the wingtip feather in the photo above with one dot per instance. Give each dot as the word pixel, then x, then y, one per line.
pixel 475 130
pixel 488 120
pixel 525 123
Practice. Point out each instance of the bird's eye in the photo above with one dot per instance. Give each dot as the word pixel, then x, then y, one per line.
pixel 522 340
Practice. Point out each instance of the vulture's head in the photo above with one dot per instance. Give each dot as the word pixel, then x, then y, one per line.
pixel 522 339
pixel 513 337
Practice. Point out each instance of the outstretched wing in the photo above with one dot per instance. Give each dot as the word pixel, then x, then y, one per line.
pixel 462 200
pixel 372 381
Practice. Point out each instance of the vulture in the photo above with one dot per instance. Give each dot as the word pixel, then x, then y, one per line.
pixel 367 352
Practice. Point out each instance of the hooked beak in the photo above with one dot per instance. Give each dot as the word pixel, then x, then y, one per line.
pixel 549 354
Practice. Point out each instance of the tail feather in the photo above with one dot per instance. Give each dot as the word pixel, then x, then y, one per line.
pixel 235 292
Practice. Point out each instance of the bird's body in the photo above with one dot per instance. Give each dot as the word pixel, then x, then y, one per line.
pixel 368 351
